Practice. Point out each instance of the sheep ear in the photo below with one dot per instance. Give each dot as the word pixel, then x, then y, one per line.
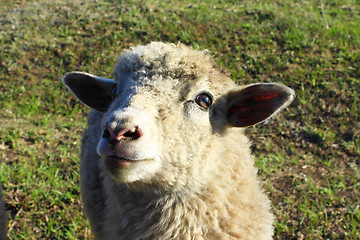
pixel 96 92
pixel 256 103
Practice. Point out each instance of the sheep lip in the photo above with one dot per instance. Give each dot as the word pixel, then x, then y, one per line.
pixel 119 162
pixel 121 159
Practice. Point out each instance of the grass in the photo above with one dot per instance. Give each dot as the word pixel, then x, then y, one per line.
pixel 309 157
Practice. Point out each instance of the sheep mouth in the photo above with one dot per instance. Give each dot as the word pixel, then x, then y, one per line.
pixel 112 162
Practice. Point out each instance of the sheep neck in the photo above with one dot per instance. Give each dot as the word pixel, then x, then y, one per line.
pixel 156 214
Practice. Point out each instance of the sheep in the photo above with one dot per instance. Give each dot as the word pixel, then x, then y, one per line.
pixel 165 155
pixel 3 217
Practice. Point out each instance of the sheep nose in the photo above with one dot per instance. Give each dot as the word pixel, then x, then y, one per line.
pixel 119 134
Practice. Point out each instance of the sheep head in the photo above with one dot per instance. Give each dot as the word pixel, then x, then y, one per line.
pixel 166 111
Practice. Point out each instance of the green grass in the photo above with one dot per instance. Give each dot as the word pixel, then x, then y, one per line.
pixel 309 156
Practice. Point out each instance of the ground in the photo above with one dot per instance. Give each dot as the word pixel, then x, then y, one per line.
pixel 308 157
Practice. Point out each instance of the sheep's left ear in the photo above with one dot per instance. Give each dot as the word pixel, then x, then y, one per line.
pixel 94 91
pixel 256 103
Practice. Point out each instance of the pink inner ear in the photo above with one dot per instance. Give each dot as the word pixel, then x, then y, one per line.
pixel 252 109
pixel 241 113
pixel 240 110
pixel 265 97
pixel 247 115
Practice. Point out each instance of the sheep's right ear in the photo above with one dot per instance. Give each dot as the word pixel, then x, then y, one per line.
pixel 94 91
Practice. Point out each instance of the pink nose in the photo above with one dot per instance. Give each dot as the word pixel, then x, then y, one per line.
pixel 119 134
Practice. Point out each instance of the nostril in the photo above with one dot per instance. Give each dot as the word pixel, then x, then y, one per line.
pixel 122 133
pixel 133 133
pixel 106 133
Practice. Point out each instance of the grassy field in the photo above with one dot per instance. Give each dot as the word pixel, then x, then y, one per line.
pixel 309 157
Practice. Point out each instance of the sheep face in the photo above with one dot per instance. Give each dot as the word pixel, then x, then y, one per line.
pixel 166 111
pixel 142 131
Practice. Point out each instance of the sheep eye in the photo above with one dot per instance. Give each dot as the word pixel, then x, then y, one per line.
pixel 203 100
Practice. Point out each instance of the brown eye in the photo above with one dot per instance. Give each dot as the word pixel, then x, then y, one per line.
pixel 203 100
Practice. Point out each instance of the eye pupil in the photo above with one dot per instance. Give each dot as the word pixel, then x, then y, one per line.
pixel 203 100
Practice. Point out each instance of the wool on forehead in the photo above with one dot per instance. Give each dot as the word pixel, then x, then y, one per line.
pixel 164 59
